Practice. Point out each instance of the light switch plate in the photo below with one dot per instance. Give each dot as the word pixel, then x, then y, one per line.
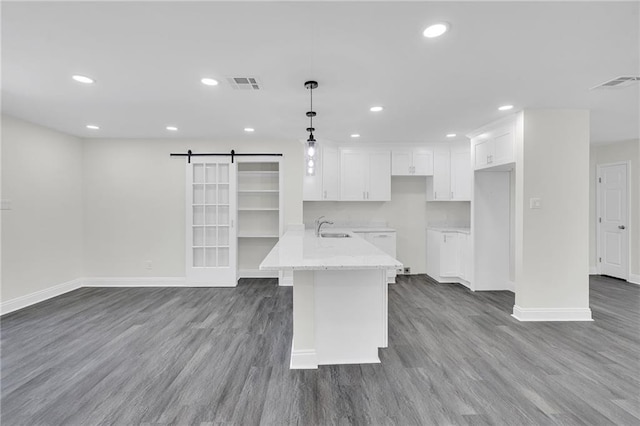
pixel 535 203
pixel 5 205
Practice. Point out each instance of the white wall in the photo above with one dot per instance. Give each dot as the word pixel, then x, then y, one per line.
pixel 611 153
pixel 552 243
pixel 134 201
pixel 42 233
pixel 407 212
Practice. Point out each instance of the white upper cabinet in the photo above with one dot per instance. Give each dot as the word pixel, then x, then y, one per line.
pixel 460 173
pixel 441 175
pixel 411 163
pixel 494 147
pixel 365 175
pixel 324 185
pixel 451 174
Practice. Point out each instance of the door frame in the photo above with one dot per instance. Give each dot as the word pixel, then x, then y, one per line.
pixel 599 167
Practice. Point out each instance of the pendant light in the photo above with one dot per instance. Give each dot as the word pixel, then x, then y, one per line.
pixel 311 151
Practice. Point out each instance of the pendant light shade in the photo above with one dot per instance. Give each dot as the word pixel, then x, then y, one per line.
pixel 311 152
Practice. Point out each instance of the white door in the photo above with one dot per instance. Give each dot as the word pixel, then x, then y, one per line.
pixel 379 172
pixel 353 173
pixel 441 175
pixel 613 240
pixel 211 250
pixel 460 174
pixel 449 255
pixel 423 163
pixel 401 163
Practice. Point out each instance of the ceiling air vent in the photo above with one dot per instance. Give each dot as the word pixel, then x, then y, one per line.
pixel 617 83
pixel 244 83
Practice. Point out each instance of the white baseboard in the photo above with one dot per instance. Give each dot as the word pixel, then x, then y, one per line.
pixel 256 273
pixel 39 296
pixel 593 270
pixel 303 359
pixel 137 282
pixel 634 278
pixel 551 314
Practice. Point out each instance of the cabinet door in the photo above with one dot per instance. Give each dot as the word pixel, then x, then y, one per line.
pixel 385 241
pixel 423 163
pixel 330 173
pixel 482 154
pixel 433 253
pixel 460 175
pixel 401 163
pixel 379 172
pixel 463 255
pixel 441 175
pixel 449 255
pixel 354 172
pixel 503 147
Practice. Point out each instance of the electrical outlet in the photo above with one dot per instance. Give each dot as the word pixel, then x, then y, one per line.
pixel 407 270
pixel 148 265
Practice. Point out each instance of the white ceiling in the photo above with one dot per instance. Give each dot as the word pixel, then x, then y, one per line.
pixel 148 59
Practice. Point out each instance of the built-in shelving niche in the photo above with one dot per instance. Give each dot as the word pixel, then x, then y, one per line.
pixel 259 213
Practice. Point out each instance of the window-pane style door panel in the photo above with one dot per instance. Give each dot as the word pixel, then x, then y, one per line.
pixel 211 234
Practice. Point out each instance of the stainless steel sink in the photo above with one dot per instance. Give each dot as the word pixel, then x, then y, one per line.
pixel 334 235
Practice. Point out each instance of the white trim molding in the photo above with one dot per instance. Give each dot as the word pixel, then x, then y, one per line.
pixel 285 278
pixel 138 282
pixel 551 314
pixel 39 296
pixel 634 278
pixel 303 359
pixel 593 270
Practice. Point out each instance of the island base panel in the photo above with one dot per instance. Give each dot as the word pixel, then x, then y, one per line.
pixel 340 317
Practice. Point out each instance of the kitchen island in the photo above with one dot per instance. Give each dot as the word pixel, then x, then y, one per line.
pixel 340 305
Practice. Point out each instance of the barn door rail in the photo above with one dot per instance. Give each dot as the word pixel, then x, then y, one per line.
pixel 231 154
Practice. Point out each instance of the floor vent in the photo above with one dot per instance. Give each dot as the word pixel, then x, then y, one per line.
pixel 617 83
pixel 244 83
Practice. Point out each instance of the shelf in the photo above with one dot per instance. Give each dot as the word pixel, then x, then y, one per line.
pixel 258 172
pixel 258 209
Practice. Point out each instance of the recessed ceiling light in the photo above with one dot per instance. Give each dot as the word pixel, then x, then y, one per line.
pixel 451 135
pixel 172 128
pixel 93 127
pixel 376 109
pixel 505 107
pixel 249 129
pixel 209 81
pixel 436 30
pixel 83 79
pixel 355 135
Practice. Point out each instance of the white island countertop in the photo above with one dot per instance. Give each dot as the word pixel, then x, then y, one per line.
pixel 300 250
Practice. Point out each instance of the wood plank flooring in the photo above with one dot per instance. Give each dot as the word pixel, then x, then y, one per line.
pixel 220 357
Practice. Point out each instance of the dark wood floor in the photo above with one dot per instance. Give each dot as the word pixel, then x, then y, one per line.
pixel 221 356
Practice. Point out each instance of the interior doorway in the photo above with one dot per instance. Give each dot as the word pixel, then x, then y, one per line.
pixel 613 219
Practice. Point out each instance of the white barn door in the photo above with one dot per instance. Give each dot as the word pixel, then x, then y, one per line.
pixel 211 252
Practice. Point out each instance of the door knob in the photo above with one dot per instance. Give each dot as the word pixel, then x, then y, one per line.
pixel 620 226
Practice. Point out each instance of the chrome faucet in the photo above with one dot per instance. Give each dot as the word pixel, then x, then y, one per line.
pixel 319 224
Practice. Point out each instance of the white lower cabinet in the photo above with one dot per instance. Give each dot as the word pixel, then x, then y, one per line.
pixel 448 256
pixel 385 241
